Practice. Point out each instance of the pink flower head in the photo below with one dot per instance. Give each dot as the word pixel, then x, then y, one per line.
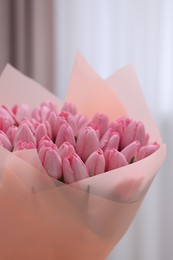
pixel 114 159
pixel 51 161
pixel 47 142
pixel 11 133
pixel 55 122
pixel 40 132
pixel 80 121
pixel 74 169
pixel 70 120
pixel 135 131
pixel 101 121
pixel 20 145
pixel 120 125
pixel 110 139
pixel 6 120
pixel 130 151
pixel 87 142
pixel 24 134
pixel 65 150
pixel 21 111
pixel 4 141
pixel 65 133
pixel 70 108
pixel 96 163
pixel 147 150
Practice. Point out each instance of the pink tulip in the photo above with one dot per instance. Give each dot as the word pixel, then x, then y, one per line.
pixel 65 150
pixel 147 150
pixel 80 121
pixel 101 121
pixel 146 139
pixel 110 139
pixel 21 112
pixel 65 133
pixel 55 122
pixel 47 142
pixel 50 105
pixel 24 134
pixel 70 108
pixel 4 141
pixel 11 133
pixel 96 163
pixel 87 142
pixel 114 159
pixel 70 120
pixel 20 145
pixel 96 129
pixel 130 151
pixel 51 161
pixel 40 132
pixel 135 131
pixel 74 169
pixel 6 120
pixel 120 125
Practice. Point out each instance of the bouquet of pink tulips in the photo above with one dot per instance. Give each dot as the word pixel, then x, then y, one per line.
pixel 73 175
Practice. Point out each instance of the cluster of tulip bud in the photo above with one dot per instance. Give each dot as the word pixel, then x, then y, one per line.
pixel 70 146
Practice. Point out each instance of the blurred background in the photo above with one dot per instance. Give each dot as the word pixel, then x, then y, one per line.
pixel 41 38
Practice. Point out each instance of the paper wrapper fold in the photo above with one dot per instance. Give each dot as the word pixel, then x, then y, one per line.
pixel 42 218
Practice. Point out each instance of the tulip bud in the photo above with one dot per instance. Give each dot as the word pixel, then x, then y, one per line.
pixel 70 108
pixel 114 159
pixel 20 145
pixel 51 161
pixel 80 121
pixel 135 131
pixel 65 150
pixel 55 122
pixel 11 133
pixel 21 112
pixel 4 141
pixel 130 151
pixel 47 142
pixel 65 133
pixel 101 121
pixel 87 142
pixel 147 150
pixel 24 134
pixel 40 132
pixel 110 139
pixel 70 120
pixel 74 169
pixel 96 163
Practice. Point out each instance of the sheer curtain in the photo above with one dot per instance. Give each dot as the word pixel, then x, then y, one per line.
pixel 111 34
pixel 26 38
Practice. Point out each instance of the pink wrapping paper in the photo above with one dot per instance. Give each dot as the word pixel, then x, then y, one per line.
pixel 42 218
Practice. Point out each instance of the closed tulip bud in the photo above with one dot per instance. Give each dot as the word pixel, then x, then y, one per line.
pixel 65 150
pixel 120 125
pixel 147 150
pixel 20 145
pixel 114 159
pixel 21 112
pixel 135 131
pixel 110 139
pixel 11 133
pixel 55 122
pixel 70 120
pixel 40 132
pixel 130 151
pixel 4 141
pixel 96 163
pixel 24 134
pixel 80 121
pixel 65 134
pixel 47 142
pixel 87 142
pixel 101 121
pixel 70 108
pixel 51 162
pixel 74 169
